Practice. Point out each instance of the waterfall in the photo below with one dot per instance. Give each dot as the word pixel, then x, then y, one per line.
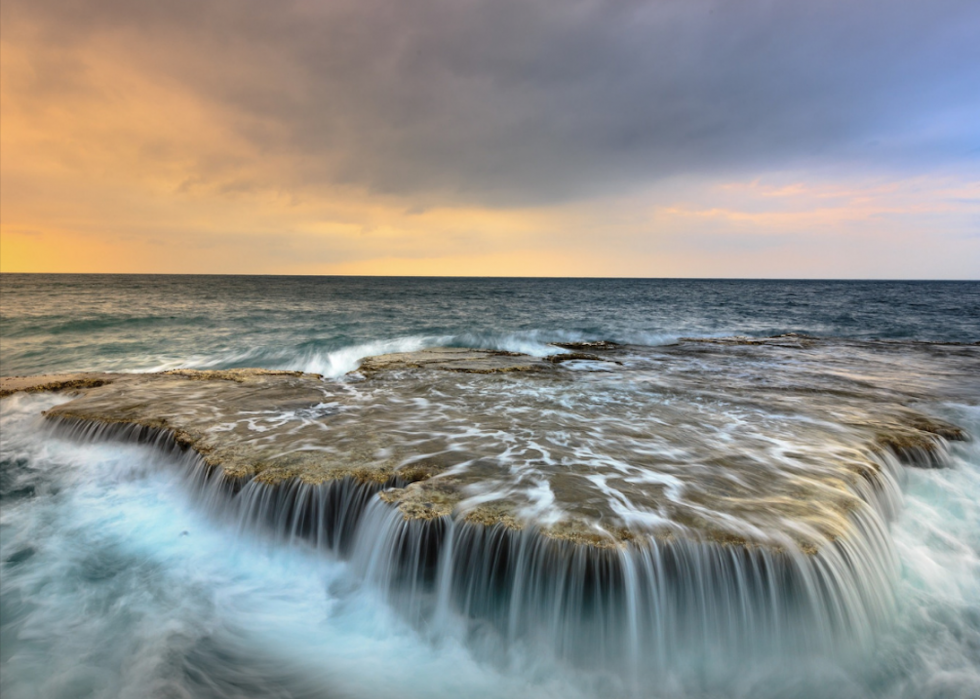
pixel 636 608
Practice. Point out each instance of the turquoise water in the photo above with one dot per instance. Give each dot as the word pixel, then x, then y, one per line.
pixel 115 582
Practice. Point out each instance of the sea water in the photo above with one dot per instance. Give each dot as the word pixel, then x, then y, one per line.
pixel 326 324
pixel 114 581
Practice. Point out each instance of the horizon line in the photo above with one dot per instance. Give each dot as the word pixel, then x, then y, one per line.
pixel 450 276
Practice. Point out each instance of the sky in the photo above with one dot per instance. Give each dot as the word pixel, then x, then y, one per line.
pixel 669 138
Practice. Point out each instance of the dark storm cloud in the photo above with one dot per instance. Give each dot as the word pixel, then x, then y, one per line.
pixel 528 101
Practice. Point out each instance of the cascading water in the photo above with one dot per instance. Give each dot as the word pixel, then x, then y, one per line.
pixel 110 523
pixel 634 610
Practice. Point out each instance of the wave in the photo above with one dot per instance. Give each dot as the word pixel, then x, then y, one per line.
pixel 334 362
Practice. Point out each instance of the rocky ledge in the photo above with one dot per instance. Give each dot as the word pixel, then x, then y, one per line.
pixel 775 444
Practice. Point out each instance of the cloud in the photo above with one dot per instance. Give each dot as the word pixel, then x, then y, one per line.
pixel 513 102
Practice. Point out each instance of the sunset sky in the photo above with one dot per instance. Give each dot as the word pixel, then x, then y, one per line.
pixel 708 138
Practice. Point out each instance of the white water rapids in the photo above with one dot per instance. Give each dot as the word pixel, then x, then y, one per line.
pixel 116 582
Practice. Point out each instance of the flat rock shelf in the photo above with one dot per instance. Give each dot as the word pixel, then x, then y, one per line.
pixel 614 501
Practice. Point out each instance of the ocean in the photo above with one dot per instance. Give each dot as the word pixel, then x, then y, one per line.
pixel 121 575
pixel 326 324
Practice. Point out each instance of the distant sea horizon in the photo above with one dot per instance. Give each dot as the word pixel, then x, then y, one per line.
pixel 493 276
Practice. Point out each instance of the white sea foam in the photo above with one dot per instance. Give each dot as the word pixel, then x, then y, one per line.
pixel 336 363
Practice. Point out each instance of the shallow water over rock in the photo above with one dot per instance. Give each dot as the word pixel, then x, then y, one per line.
pixel 770 443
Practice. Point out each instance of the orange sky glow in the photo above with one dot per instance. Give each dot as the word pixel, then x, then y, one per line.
pixel 108 164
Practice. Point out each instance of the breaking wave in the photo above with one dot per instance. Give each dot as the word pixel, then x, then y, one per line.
pixel 334 363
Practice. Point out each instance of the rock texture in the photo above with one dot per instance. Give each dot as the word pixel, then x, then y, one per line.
pixel 749 443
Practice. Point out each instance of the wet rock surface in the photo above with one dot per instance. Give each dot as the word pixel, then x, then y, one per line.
pixel 52 382
pixel 467 361
pixel 774 443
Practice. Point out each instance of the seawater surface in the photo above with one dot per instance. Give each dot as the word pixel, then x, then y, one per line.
pixel 326 324
pixel 116 581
